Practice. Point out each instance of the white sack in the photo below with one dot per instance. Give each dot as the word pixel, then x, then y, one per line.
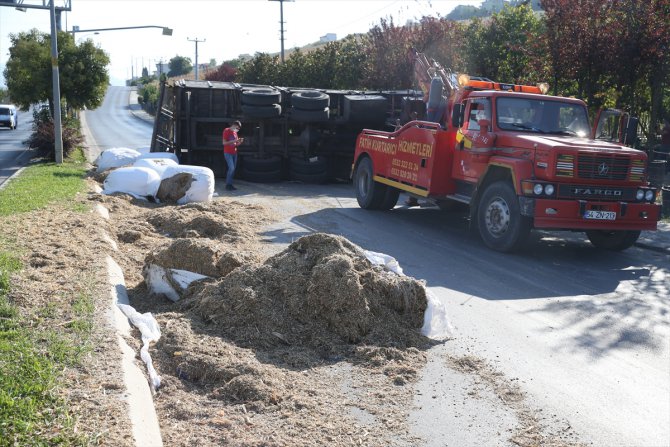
pixel 169 282
pixel 386 261
pixel 115 158
pixel 157 164
pixel 435 323
pixel 201 189
pixel 169 155
pixel 137 181
pixel 148 327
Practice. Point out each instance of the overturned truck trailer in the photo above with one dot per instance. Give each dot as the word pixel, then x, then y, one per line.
pixel 300 134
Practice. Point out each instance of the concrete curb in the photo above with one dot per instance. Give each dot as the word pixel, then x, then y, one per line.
pixel 141 410
pixel 136 110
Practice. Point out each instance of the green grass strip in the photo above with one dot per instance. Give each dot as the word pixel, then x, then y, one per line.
pixel 32 413
pixel 41 184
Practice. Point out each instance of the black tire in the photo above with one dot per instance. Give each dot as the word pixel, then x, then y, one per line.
pixel 310 116
pixel 501 225
pixel 269 164
pixel 318 178
pixel 260 96
pixel 271 111
pixel 310 166
pixel 390 198
pixel 310 100
pixel 369 194
pixel 612 240
pixel 262 177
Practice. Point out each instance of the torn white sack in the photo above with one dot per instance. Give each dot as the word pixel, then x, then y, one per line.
pixel 435 323
pixel 148 327
pixel 169 282
pixel 386 261
pixel 202 187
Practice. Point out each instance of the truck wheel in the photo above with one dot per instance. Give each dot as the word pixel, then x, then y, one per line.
pixel 390 198
pixel 369 193
pixel 613 240
pixel 310 100
pixel 260 96
pixel 501 225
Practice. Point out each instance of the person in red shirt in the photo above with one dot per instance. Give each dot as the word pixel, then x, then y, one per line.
pixel 230 143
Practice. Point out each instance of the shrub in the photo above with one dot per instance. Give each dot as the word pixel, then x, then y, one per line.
pixel 43 133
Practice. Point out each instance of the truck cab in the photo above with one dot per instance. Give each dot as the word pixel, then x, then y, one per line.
pixel 520 160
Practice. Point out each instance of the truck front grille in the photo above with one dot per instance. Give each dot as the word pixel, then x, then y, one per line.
pixel 602 167
pixel 595 192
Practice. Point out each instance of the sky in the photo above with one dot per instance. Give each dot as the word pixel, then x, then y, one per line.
pixel 227 28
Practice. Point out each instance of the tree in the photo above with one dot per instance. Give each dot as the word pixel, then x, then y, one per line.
pixel 179 66
pixel 145 72
pixel 506 48
pixel 4 95
pixel 28 73
pixel 225 73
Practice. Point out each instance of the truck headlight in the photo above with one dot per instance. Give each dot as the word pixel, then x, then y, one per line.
pixel 639 195
pixel 549 190
pixel 649 196
pixel 537 189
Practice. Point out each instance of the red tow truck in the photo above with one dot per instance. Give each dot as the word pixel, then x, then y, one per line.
pixel 520 159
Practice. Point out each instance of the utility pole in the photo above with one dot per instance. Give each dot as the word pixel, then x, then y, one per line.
pixel 196 54
pixel 281 24
pixel 58 130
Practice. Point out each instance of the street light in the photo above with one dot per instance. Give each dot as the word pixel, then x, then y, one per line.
pixel 166 31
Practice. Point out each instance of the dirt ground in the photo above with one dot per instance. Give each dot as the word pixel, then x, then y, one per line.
pixel 308 346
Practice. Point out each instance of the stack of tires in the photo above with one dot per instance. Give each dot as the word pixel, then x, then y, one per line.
pixel 261 103
pixel 309 170
pixel 310 106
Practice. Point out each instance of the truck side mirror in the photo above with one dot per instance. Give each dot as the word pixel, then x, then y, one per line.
pixel 457 115
pixel 630 132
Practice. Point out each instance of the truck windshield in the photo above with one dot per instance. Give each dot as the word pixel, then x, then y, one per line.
pixel 542 116
pixel 4 111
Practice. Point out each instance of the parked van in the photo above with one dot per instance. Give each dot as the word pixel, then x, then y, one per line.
pixel 8 116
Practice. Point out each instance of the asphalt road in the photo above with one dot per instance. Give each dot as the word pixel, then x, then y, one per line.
pixel 585 333
pixel 14 154
pixel 112 125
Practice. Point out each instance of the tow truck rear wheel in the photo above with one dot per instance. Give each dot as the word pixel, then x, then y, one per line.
pixel 501 225
pixel 369 193
pixel 390 198
pixel 613 240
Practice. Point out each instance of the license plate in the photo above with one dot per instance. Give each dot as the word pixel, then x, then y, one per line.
pixel 600 215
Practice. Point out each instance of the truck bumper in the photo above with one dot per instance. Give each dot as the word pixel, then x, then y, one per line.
pixel 569 214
